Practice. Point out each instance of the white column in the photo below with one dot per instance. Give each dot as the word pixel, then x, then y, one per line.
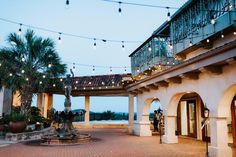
pixel 131 114
pixel 40 102
pixel 142 124
pixel 219 138
pixel 170 137
pixel 45 105
pixel 1 101
pixel 87 104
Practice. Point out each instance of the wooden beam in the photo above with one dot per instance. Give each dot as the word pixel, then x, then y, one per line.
pixel 177 80
pixel 145 89
pixel 190 75
pixel 162 84
pixel 138 91
pixel 152 86
pixel 215 69
pixel 231 60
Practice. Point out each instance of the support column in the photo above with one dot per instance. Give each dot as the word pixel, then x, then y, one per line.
pixel 40 102
pixel 87 104
pixel 219 138
pixel 170 137
pixel 45 105
pixel 131 114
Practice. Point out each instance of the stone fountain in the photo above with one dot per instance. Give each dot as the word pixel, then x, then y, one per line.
pixel 66 134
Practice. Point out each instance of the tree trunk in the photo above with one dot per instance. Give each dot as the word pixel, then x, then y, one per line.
pixel 26 99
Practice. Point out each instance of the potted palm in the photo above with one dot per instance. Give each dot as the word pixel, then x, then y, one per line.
pixel 17 121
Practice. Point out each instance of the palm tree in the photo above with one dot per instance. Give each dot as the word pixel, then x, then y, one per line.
pixel 29 65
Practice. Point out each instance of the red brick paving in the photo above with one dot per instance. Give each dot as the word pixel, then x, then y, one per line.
pixel 111 143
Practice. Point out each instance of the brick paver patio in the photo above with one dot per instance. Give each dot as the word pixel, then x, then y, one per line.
pixel 110 143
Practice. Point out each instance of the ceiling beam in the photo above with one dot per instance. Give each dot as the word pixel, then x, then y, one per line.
pixel 190 75
pixel 144 89
pixel 152 86
pixel 214 69
pixel 176 80
pixel 162 84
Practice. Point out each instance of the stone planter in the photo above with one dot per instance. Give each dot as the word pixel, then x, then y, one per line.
pixel 17 127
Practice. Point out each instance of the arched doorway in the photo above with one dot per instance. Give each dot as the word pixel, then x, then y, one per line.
pixel 232 125
pixel 154 107
pixel 189 116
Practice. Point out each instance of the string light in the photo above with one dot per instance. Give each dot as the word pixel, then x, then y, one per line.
pixel 27 79
pixel 123 46
pixel 93 69
pixel 10 74
pixel 59 38
pixel 213 20
pixel 208 40
pixel 76 82
pixel 119 10
pixel 125 71
pixel 94 44
pixel 234 32
pixel 44 76
pixel 61 79
pixel 168 13
pixel 40 82
pixel 73 67
pixel 19 30
pixel 171 46
pixel 222 35
pixel 22 71
pixel 49 65
pixel 54 85
pixel 22 59
pixel 190 43
pixel 110 70
pixel 149 48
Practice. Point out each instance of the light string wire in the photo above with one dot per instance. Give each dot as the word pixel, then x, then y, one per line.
pixel 68 34
pixel 139 4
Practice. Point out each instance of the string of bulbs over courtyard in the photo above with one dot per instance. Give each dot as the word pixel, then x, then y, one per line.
pixel 105 40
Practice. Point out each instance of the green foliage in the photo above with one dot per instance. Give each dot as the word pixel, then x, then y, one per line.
pixel 25 63
pixel 16 115
pixel 35 115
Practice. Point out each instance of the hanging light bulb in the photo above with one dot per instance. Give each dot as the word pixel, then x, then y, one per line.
pixel 61 79
pixel 171 46
pixel 208 40
pixel 22 59
pixel 149 48
pixel 234 32
pixel 119 10
pixel 93 69
pixel 75 87
pixel 22 71
pixel 54 85
pixel 59 38
pixel 125 71
pixel 27 79
pixel 94 44
pixel 138 70
pixel 76 82
pixel 222 35
pixel 44 76
pixel 49 65
pixel 67 4
pixel 40 82
pixel 10 74
pixel 73 67
pixel 110 70
pixel 213 20
pixel 123 46
pixel 19 30
pixel 168 14
pixel 190 43
pixel 0 64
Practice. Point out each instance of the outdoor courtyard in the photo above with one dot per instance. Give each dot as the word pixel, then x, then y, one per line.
pixel 111 142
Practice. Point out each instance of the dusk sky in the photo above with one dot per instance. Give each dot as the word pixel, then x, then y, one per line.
pixel 93 19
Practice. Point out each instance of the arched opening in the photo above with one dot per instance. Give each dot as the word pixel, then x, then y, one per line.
pixel 189 116
pixel 232 123
pixel 148 115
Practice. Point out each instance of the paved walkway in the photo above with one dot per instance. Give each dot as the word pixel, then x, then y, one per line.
pixel 110 143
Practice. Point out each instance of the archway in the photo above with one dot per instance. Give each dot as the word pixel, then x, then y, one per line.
pixel 190 115
pixel 151 104
pixel 227 108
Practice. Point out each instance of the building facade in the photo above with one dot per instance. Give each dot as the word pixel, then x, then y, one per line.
pixel 193 67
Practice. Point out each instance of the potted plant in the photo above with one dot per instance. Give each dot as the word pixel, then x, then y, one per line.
pixel 17 122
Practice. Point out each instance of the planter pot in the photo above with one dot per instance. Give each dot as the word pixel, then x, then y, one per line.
pixel 17 127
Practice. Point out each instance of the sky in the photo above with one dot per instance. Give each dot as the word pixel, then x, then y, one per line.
pixel 93 19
